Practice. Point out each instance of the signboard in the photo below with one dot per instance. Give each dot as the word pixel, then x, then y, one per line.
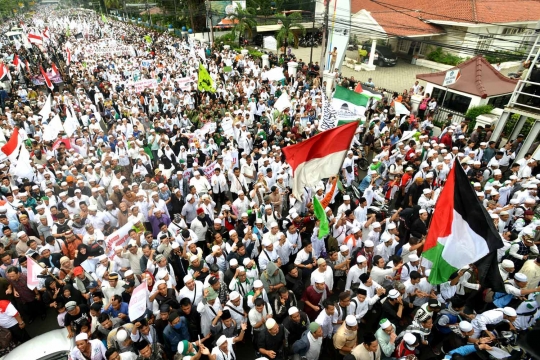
pixel 451 77
pixel 141 85
pixel 137 303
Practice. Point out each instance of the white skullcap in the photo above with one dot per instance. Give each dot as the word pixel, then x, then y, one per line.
pixel 234 295
pixel 355 230
pixel 507 264
pixel 270 323
pixel 422 211
pixel 343 248
pixel 391 226
pixel 508 311
pixel 81 336
pixel 221 340
pixel 385 323
pixel 520 277
pixel 413 258
pixel 257 284
pixel 193 258
pixel 368 243
pixel 350 320
pixel 293 310
pixel 318 278
pixel 266 242
pixel 426 191
pixel 273 224
pixel 233 262
pixel 393 294
pixel 346 197
pixel 376 225
pixel 360 259
pixel 121 335
pixel 465 326
pixel 187 278
pixel 409 338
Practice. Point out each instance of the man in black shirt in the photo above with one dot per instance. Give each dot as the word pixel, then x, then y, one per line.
pixel 393 309
pixel 271 340
pixel 76 314
pixel 296 324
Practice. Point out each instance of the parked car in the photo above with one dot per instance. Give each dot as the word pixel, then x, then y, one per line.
pixel 53 345
pixel 384 56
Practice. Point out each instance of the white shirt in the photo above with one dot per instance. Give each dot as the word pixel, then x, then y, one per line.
pixel 196 293
pixel 97 352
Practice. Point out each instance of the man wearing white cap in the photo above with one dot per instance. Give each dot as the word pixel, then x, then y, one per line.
pixel 201 183
pixel 347 168
pixel 236 307
pixel 515 290
pixel 492 317
pixel 353 276
pixel 427 200
pixel 386 336
pixel 88 349
pixel 268 254
pixel 271 340
pixel 193 290
pixel 411 265
pixel 344 207
pixel 258 291
pixel 354 240
pixel 224 346
pixel 345 338
pixel 375 233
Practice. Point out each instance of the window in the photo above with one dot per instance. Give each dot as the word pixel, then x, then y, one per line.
pixel 513 30
pixel 404 45
pixel 452 101
pixel 484 42
pixel 499 101
pixel 423 48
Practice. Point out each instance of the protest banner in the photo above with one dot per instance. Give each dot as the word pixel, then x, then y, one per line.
pixel 118 238
pixel 89 265
pixel 137 303
pixel 209 170
pixel 33 270
pixel 141 85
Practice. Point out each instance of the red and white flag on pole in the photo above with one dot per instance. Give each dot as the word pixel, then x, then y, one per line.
pixel 16 61
pixel 68 57
pixel 35 39
pixel 55 69
pixel 12 147
pixel 46 34
pixel 4 73
pixel 46 77
pixel 32 280
pixel 27 67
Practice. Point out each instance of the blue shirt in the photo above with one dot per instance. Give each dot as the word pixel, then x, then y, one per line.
pixel 122 310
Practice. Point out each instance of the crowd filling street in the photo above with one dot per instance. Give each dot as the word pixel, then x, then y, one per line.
pixel 195 185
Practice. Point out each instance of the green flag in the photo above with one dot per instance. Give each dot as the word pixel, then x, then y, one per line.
pixel 321 215
pixel 227 69
pixel 103 18
pixel 205 81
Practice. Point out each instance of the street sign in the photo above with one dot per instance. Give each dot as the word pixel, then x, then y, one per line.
pixel 451 77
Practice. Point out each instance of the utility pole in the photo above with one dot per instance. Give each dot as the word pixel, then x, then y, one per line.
pixel 325 30
pixel 209 17
pixel 313 29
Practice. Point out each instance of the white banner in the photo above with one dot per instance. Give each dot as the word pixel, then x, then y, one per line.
pixel 283 102
pixel 141 85
pixel 235 163
pixel 137 303
pixel 33 270
pixel 185 83
pixel 89 265
pixel 118 238
pixel 209 170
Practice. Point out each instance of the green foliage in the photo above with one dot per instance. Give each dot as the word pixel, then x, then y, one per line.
pixel 255 53
pixel 243 22
pixel 511 124
pixel 496 57
pixel 224 38
pixel 439 56
pixel 476 111
pixel 288 34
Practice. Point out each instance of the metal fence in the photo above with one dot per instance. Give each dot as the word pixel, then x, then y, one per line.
pixel 441 115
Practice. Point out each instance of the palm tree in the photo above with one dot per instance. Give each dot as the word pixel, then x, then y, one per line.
pixel 286 35
pixel 243 23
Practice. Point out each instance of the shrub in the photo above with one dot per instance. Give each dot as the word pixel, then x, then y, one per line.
pixel 439 56
pixel 476 111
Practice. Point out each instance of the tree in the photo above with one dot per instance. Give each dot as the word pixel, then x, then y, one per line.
pixel 287 34
pixel 243 23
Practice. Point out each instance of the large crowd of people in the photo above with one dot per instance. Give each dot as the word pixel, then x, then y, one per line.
pixel 231 259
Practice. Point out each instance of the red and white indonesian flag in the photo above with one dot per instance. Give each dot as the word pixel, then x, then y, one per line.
pixel 54 69
pixel 68 57
pixel 35 39
pixel 12 147
pixel 16 61
pixel 462 233
pixel 137 303
pixel 319 157
pixel 46 78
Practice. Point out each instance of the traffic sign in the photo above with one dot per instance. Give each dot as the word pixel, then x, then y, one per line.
pixel 451 77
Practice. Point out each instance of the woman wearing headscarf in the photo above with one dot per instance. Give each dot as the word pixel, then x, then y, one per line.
pixel 52 292
pixel 82 254
pixel 69 293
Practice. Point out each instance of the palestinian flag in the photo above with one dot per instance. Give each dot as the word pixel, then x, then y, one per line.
pixel 367 91
pixel 319 157
pixel 462 233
